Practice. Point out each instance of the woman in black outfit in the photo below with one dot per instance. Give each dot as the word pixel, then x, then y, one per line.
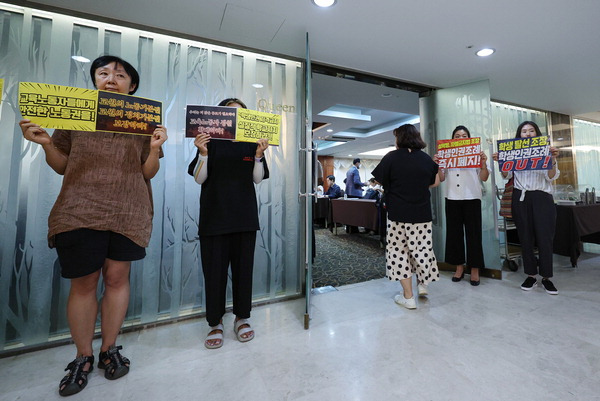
pixel 534 214
pixel 227 171
pixel 406 175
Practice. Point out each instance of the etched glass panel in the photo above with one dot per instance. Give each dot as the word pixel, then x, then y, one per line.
pixel 168 282
pixel 467 105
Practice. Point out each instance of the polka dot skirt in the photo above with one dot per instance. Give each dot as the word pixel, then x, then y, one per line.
pixel 410 249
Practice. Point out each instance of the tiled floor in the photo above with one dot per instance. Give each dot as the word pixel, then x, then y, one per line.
pixel 492 342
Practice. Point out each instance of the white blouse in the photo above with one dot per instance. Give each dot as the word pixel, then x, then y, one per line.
pixel 463 183
pixel 533 180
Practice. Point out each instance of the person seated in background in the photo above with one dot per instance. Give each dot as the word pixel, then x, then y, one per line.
pixel 334 190
pixel 320 191
pixel 374 191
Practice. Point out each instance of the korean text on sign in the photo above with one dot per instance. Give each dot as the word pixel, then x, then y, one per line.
pixel 253 125
pixel 459 153
pixel 56 106
pixel 217 121
pixel 65 107
pixel 521 154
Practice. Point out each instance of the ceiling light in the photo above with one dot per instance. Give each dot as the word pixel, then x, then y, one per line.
pixel 379 152
pixel 324 3
pixel 485 52
pixel 329 130
pixel 258 86
pixel 81 59
pixel 386 95
pixel 349 155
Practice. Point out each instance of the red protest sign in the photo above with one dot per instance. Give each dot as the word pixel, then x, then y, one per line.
pixel 459 153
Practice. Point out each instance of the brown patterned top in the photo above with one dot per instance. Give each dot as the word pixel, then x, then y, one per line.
pixel 103 186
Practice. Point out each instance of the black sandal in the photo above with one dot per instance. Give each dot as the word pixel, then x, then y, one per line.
pixel 117 365
pixel 76 379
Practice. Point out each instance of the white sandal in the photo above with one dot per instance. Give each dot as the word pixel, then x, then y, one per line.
pixel 244 330
pixel 216 336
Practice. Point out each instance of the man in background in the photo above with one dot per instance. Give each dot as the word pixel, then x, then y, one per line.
pixel 353 183
pixel 334 190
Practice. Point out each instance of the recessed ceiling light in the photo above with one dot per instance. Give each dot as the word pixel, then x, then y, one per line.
pixel 386 95
pixel 324 3
pixel 485 52
pixel 81 59
pixel 329 130
pixel 258 86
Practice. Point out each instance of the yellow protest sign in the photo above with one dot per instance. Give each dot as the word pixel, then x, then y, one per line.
pixel 56 106
pixel 65 107
pixel 1 88
pixel 253 125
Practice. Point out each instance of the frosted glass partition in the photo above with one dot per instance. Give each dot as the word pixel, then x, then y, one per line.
pixel 441 112
pixel 587 153
pixel 37 46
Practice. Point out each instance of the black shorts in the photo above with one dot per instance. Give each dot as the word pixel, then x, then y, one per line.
pixel 83 251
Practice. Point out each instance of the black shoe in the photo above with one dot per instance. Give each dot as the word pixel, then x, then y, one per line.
pixel 457 279
pixel 529 284
pixel 76 379
pixel 549 287
pixel 114 364
pixel 474 283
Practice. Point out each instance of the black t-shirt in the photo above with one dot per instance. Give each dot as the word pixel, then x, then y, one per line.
pixel 406 177
pixel 228 199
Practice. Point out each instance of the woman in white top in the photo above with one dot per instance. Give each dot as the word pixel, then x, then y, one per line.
pixel 534 214
pixel 463 214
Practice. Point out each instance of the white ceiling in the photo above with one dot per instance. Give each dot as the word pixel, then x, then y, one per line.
pixel 386 114
pixel 548 52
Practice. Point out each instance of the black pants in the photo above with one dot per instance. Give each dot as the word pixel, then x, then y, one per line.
pixel 217 253
pixel 463 221
pixel 535 218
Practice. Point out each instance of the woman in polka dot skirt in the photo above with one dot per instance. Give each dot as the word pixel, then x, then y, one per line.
pixel 406 175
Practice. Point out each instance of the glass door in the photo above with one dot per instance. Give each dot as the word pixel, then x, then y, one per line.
pixel 309 190
pixel 441 112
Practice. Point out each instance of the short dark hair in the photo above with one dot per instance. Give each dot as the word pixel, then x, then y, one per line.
pixel 231 100
pixel 106 60
pixel 408 136
pixel 331 177
pixel 538 132
pixel 461 128
pixel 357 160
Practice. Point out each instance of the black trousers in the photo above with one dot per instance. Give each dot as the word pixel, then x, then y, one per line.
pixel 217 253
pixel 535 218
pixel 463 221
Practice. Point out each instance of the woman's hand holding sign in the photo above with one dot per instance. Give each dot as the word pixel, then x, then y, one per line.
pixel 159 136
pixel 262 145
pixel 200 142
pixel 34 133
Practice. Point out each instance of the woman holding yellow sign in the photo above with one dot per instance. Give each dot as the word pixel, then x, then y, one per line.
pixel 101 221
pixel 534 214
pixel 228 223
